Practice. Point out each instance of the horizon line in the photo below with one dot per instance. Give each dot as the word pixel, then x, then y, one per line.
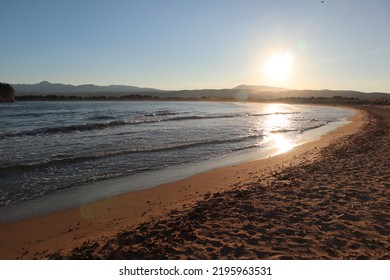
pixel 183 89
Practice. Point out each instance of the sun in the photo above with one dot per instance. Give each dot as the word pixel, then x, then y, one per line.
pixel 278 67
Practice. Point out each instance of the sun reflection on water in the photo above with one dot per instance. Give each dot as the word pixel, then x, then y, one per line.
pixel 280 142
pixel 274 126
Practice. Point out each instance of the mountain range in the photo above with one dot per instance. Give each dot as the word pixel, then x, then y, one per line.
pixel 45 87
pixel 241 92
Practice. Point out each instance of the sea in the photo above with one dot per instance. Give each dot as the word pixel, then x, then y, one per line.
pixel 60 154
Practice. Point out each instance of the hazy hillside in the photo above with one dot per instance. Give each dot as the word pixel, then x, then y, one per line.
pixel 241 92
pixel 81 90
pixel 331 93
pixel 260 88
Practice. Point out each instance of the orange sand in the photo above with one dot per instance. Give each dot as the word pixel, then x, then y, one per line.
pixel 99 223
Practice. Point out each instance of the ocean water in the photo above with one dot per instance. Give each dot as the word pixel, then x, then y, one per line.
pixel 51 146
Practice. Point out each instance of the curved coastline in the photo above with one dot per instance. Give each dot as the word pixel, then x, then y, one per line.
pixel 91 192
pixel 104 218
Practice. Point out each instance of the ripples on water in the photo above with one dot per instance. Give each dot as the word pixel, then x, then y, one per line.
pixel 47 146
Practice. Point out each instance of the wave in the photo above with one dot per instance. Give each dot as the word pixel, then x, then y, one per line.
pixel 246 148
pixel 323 123
pixel 102 125
pixel 63 159
pixel 64 129
pixel 283 130
pixel 161 113
pixel 104 117
pixel 31 114
pixel 276 113
pixel 184 118
pixel 300 130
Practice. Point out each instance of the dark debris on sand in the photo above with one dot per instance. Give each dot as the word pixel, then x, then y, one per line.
pixel 336 207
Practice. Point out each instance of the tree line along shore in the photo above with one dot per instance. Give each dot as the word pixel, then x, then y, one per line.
pixel 138 97
pixel 8 94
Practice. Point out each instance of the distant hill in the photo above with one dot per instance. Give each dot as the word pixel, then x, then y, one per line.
pixel 7 93
pixel 326 93
pixel 81 90
pixel 260 88
pixel 241 92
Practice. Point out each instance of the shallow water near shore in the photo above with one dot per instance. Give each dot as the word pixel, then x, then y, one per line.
pixel 75 155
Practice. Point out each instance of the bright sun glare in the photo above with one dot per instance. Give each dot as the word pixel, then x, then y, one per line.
pixel 274 122
pixel 279 66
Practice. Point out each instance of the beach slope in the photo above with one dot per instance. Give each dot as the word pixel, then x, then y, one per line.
pixel 327 199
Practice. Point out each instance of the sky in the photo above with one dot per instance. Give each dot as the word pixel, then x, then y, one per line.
pixel 198 44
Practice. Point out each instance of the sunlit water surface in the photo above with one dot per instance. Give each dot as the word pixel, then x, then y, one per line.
pixel 51 146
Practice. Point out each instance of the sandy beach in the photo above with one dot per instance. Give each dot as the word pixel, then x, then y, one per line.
pixel 327 199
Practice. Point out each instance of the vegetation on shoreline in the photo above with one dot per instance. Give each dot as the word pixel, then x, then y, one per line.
pixel 137 97
pixel 7 93
pixel 46 91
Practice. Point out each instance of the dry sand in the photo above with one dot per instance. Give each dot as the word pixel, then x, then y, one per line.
pixel 327 199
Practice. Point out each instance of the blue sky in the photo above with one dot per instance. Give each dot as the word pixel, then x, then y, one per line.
pixel 182 44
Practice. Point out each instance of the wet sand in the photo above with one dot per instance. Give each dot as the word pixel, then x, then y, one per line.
pixel 327 199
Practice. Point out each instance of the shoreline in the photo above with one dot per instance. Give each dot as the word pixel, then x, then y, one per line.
pixel 102 220
pixel 94 191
